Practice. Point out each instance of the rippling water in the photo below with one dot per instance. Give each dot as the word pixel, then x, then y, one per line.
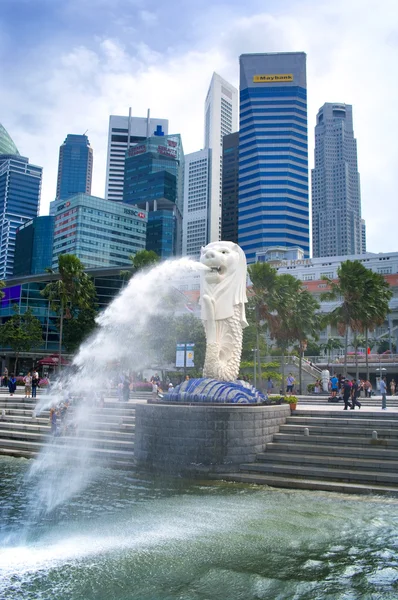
pixel 130 537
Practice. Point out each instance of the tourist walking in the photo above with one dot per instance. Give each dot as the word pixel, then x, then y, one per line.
pixel 12 384
pixel 154 390
pixel 392 387
pixel 355 394
pixel 347 394
pixel 290 384
pixel 383 392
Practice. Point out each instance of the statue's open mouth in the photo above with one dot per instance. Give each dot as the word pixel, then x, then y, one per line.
pixel 215 269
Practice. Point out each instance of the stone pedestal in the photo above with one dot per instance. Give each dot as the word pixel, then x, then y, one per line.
pixel 181 438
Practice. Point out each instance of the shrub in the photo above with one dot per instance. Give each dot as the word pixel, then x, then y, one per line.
pixel 311 388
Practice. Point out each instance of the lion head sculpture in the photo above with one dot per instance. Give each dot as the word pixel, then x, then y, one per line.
pixel 225 281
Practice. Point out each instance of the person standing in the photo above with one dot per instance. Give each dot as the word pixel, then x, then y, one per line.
pixel 290 384
pixel 383 392
pixel 354 395
pixel 12 384
pixel 35 383
pixel 28 385
pixel 270 385
pixel 392 387
pixel 347 393
pixel 334 382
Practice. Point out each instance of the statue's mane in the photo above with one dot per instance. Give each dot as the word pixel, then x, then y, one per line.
pixel 231 291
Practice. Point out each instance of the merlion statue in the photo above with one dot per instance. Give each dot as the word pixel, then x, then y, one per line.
pixel 222 300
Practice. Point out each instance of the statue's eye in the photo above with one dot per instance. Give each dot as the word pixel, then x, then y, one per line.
pixel 224 251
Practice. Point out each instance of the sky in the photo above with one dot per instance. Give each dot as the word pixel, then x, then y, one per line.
pixel 66 65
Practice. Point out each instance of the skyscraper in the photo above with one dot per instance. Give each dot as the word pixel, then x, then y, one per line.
pixel 336 195
pixel 273 153
pixel 34 246
pixel 99 232
pixel 221 118
pixel 196 202
pixel 153 181
pixel 75 167
pixel 123 133
pixel 230 187
pixel 20 188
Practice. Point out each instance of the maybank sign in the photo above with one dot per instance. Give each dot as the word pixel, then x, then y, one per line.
pixel 273 78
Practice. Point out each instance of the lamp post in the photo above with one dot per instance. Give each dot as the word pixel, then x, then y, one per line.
pixel 254 350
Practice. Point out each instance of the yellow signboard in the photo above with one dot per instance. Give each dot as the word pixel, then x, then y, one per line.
pixel 273 78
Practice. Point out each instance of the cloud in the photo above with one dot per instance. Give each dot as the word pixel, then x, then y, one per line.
pixel 351 47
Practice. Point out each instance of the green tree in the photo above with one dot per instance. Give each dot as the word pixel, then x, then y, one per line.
pixel 305 322
pixel 73 289
pixel 143 259
pixel 349 291
pixel 21 333
pixel 377 296
pixel 78 328
pixel 330 345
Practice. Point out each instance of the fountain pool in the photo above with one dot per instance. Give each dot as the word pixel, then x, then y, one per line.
pixel 127 536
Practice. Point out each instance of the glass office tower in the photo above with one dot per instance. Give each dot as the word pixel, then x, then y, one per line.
pixel 101 233
pixel 337 228
pixel 20 189
pixel 34 246
pixel 273 153
pixel 153 181
pixel 75 167
pixel 230 187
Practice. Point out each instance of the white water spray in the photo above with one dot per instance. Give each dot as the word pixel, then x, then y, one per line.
pixel 119 345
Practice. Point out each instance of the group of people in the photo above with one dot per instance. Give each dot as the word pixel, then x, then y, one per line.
pixel 350 390
pixel 31 382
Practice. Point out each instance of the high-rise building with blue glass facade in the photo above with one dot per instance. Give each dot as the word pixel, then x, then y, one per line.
pixel 20 189
pixel 75 167
pixel 153 180
pixel 273 153
pixel 101 233
pixel 34 246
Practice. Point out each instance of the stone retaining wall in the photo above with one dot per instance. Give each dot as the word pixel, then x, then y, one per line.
pixel 177 438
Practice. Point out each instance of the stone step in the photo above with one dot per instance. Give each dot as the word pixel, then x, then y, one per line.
pixel 293 448
pixel 352 463
pixel 350 420
pixel 342 429
pixel 126 432
pixel 96 417
pixel 345 414
pixel 72 440
pixel 280 481
pixel 323 472
pixel 26 449
pixel 334 439
pixel 109 424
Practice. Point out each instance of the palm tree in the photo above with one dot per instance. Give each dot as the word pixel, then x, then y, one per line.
pixel 305 323
pixel 330 345
pixel 350 291
pixel 73 289
pixel 358 341
pixel 377 296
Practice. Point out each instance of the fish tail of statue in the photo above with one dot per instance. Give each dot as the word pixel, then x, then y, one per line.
pixel 223 354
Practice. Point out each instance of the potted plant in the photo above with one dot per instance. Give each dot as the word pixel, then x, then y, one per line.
pixel 292 400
